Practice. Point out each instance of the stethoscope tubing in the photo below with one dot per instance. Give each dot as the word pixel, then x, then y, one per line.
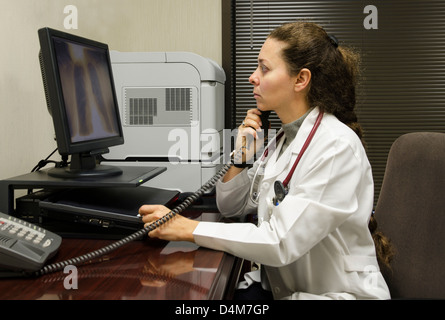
pixel 281 188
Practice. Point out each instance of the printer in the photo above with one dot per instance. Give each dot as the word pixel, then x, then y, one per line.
pixel 172 113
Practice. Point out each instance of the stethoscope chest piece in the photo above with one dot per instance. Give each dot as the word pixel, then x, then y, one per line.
pixel 280 192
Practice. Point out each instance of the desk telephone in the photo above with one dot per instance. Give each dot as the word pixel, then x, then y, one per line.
pixel 25 247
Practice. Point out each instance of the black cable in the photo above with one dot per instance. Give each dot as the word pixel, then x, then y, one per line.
pixel 44 162
pixel 139 234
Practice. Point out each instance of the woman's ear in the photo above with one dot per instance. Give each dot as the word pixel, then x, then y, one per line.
pixel 303 80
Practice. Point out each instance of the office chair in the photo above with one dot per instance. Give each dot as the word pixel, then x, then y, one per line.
pixel 411 212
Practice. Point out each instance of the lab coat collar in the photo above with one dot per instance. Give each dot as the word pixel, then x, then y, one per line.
pixel 274 166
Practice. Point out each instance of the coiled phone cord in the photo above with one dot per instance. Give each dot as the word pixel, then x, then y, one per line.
pixel 139 234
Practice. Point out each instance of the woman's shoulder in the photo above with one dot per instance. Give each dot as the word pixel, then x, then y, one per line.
pixel 336 134
pixel 339 130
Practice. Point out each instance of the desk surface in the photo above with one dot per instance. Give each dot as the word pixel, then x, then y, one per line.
pixel 143 269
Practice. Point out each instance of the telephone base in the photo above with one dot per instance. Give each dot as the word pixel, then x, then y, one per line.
pixel 12 274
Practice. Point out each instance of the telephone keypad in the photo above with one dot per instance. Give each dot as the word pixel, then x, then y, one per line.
pixel 24 230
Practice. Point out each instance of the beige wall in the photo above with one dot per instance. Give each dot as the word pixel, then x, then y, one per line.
pixel 26 130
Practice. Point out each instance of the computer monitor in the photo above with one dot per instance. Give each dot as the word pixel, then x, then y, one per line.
pixel 81 99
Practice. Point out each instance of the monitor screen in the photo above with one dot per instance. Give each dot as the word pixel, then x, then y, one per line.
pixel 81 99
pixel 87 91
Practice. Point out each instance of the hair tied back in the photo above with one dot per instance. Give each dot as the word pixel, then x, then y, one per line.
pixel 334 40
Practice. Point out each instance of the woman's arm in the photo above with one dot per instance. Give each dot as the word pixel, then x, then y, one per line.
pixel 319 202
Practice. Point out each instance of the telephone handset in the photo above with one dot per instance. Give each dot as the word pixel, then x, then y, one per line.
pixel 265 123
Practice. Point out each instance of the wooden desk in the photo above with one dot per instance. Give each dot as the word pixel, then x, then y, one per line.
pixel 148 269
pixel 145 269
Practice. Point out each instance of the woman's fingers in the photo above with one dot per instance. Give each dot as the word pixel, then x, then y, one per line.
pixel 151 213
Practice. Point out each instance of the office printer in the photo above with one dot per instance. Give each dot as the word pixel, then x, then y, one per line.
pixel 172 112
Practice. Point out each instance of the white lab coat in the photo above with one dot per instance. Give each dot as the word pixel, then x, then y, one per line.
pixel 316 243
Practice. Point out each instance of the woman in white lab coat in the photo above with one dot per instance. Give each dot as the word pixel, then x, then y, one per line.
pixel 313 243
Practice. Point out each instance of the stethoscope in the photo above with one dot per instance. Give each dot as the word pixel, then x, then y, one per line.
pixel 281 188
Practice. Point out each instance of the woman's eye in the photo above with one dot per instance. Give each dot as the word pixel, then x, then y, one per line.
pixel 264 68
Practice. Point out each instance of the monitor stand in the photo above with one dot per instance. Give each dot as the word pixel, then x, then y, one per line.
pixel 99 171
pixel 132 176
pixel 84 165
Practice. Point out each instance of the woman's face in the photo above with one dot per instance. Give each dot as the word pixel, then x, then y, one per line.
pixel 274 88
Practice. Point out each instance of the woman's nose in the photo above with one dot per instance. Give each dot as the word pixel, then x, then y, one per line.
pixel 253 79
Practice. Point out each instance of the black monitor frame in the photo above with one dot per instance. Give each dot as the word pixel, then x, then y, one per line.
pixel 84 154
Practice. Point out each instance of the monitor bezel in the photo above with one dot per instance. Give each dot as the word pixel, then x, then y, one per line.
pixel 55 98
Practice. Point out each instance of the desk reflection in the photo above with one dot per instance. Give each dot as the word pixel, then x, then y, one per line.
pixel 146 269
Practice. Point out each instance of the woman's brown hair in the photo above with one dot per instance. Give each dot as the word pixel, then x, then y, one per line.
pixel 334 77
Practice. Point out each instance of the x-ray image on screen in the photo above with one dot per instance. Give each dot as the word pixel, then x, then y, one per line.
pixel 87 91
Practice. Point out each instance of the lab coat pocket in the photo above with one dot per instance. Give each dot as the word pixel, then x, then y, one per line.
pixel 362 272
